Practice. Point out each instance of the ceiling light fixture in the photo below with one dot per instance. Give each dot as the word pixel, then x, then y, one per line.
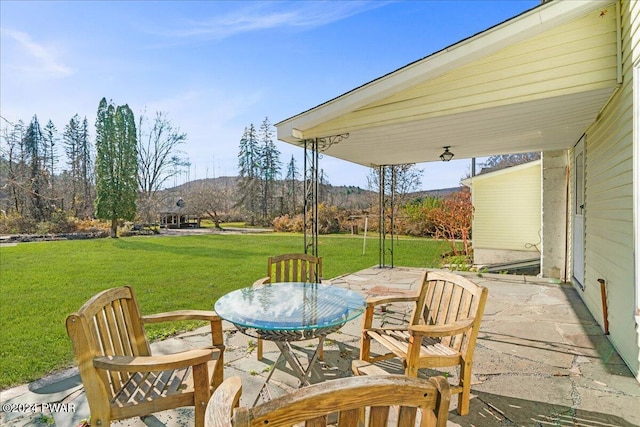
pixel 447 155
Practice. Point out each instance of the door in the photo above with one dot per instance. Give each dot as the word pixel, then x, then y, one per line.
pixel 578 213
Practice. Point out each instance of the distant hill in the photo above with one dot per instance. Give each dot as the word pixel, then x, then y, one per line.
pixel 343 196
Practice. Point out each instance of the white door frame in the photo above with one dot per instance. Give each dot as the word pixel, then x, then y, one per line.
pixel 636 190
pixel 577 272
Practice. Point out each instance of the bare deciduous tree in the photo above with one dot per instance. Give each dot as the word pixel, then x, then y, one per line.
pixel 158 155
pixel 207 197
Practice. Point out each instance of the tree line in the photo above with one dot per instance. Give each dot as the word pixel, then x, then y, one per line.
pixel 47 176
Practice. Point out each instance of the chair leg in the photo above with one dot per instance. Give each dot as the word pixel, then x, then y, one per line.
pixel 465 382
pixel 259 349
pixel 201 393
pixel 217 376
pixel 365 347
pixel 321 351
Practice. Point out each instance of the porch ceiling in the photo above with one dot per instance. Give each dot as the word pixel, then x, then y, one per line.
pixel 533 83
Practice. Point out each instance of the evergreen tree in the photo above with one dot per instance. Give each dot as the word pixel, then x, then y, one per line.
pixel 116 164
pixel 71 138
pixel 292 180
pixel 34 144
pixel 249 172
pixel 270 167
pixel 85 153
pixel 51 156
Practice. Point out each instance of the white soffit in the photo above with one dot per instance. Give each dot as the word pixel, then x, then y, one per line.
pixel 551 123
pixel 542 125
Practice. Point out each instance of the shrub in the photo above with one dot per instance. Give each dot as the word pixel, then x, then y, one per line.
pixel 330 220
pixel 452 220
pixel 17 224
pixel 61 223
pixel 283 223
pixel 417 216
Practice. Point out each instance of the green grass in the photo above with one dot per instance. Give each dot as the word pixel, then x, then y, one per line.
pixel 41 283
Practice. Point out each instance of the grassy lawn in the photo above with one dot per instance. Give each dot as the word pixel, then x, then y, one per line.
pixel 41 283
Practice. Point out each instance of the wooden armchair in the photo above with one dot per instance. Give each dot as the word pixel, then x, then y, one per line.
pixel 120 376
pixel 442 331
pixel 355 400
pixel 291 268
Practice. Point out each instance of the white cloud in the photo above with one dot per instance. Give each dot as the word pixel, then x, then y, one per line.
pixel 34 57
pixel 269 15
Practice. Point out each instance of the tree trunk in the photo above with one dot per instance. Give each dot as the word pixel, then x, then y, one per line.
pixel 114 228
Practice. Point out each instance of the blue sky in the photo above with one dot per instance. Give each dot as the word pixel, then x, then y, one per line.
pixel 214 67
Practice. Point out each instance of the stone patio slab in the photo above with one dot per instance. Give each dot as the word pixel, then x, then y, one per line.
pixel 541 360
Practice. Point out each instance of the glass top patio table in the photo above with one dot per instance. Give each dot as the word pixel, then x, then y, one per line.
pixel 290 311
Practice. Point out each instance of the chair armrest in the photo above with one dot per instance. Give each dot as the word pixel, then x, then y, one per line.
pixel 154 363
pixel 260 282
pixel 372 302
pixel 220 407
pixel 181 315
pixel 444 398
pixel 446 330
pixel 388 299
pixel 216 321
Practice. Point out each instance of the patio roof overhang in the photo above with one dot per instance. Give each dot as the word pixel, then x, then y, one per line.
pixel 532 83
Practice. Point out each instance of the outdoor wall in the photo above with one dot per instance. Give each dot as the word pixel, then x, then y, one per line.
pixel 507 220
pixel 555 181
pixel 484 256
pixel 608 217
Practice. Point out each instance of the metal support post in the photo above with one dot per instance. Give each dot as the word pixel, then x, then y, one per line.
pixel 312 149
pixel 310 209
pixel 387 190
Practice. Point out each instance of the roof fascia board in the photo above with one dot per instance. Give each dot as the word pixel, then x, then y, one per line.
pixel 471 180
pixel 526 25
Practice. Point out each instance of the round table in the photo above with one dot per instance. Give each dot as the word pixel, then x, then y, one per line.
pixel 285 312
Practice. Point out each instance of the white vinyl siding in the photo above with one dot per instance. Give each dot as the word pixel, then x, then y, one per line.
pixel 507 209
pixel 609 204
pixel 576 57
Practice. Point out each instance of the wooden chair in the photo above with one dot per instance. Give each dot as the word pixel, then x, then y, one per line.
pixel 291 268
pixel 442 331
pixel 355 400
pixel 120 376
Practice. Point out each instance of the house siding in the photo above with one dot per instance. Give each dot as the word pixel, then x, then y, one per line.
pixel 609 221
pixel 507 210
pixel 550 64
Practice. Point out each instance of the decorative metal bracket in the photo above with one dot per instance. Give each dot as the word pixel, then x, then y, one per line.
pixel 324 143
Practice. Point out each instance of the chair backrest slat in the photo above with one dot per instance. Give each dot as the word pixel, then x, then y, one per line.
pixel 378 416
pixel 109 325
pixel 406 416
pixel 445 298
pixel 350 417
pixel 123 329
pixel 294 268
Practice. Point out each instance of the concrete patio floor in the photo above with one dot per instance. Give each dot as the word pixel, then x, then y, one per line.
pixel 541 360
